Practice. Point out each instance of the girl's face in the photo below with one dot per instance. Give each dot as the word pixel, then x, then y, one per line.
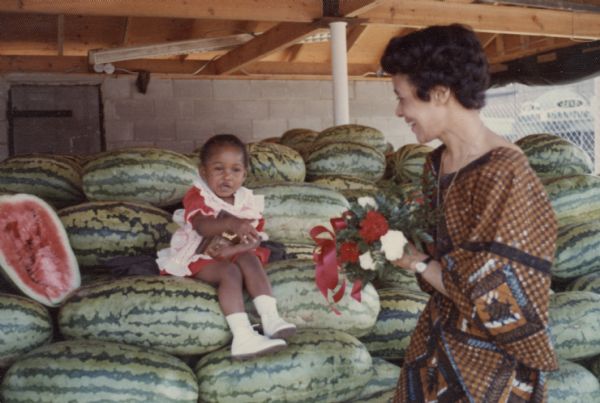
pixel 423 117
pixel 224 172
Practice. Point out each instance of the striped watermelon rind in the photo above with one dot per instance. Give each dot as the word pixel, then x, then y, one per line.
pixel 588 282
pixel 53 178
pixel 318 365
pixel 350 159
pixel 574 322
pixel 551 155
pixel 271 162
pixel 300 301
pixel 299 139
pixel 176 315
pixel 572 383
pixel 149 175
pixel 95 371
pixel 382 384
pixel 406 164
pixel 25 325
pixel 293 209
pixel 574 196
pixel 353 133
pixel 577 249
pixel 99 231
pixel 400 310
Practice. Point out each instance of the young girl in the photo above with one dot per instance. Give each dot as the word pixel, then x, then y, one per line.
pixel 219 189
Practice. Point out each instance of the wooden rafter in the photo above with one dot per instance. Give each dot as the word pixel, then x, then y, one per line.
pixel 487 18
pixel 268 10
pixel 271 41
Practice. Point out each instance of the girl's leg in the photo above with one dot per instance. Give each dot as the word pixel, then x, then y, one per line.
pixel 246 342
pixel 258 286
pixel 229 282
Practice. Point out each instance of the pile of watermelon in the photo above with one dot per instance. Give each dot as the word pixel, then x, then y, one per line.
pixel 73 331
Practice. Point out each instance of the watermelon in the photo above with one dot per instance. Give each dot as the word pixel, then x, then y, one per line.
pixel 95 371
pixel 397 279
pixel 400 310
pixel 351 159
pixel 577 249
pixel 551 155
pixel 382 386
pixel 271 162
pixel 574 322
pixel 172 314
pixel 54 178
pixel 574 196
pixel 572 383
pixel 318 365
pixel 293 209
pixel 25 325
pixel 102 230
pixel 589 282
pixel 342 183
pixel 151 175
pixel 299 250
pixel 299 139
pixel 35 255
pixel 299 300
pixel 353 133
pixel 406 163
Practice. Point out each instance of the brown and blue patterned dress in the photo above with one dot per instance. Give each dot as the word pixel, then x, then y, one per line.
pixel 488 341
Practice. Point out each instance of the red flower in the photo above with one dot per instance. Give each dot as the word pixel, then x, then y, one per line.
pixel 373 226
pixel 349 252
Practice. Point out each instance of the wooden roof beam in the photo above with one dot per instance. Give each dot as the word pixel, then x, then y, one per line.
pixel 488 18
pixel 264 10
pixel 273 40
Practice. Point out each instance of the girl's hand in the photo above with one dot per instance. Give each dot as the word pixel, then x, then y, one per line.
pixel 229 251
pixel 245 231
pixel 410 257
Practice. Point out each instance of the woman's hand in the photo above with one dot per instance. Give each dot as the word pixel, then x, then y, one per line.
pixel 410 257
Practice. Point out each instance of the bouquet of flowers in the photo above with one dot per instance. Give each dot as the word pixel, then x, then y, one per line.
pixel 368 237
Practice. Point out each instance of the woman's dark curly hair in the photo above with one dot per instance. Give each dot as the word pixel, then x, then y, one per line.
pixel 219 140
pixel 449 56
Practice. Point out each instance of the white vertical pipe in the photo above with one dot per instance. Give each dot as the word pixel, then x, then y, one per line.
pixel 339 66
pixel 596 112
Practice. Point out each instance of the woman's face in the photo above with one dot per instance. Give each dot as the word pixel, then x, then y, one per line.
pixel 423 117
pixel 224 171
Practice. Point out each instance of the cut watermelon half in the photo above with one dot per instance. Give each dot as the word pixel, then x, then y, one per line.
pixel 35 254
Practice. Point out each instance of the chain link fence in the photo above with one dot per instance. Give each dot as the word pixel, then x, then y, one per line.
pixel 516 110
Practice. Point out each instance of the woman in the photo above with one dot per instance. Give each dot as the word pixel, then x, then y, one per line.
pixel 483 335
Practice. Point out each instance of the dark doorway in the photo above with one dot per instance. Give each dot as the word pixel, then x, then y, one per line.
pixel 58 119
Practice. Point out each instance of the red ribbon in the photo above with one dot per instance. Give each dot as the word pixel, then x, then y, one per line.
pixel 326 263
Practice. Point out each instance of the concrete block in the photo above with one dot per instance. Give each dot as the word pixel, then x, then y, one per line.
pixel 183 147
pixel 374 90
pixel 326 89
pixel 118 130
pixel 157 88
pixel 371 108
pixel 270 89
pixel 306 123
pixel 3 151
pixel 126 144
pixel 240 127
pixel 154 129
pixel 134 109
pixel 326 122
pixel 232 89
pixel 287 109
pixel 199 89
pixel 117 87
pixel 4 132
pixel 207 109
pixel 319 108
pixel 186 108
pixel 167 108
pixel 308 89
pixel 262 129
pixel 193 130
pixel 245 110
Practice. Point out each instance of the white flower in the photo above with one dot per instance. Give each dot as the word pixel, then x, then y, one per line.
pixel 366 261
pixel 366 201
pixel 392 244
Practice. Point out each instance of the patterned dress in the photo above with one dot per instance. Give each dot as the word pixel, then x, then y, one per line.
pixel 487 341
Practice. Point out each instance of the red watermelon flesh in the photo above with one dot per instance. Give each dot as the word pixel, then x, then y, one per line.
pixel 35 253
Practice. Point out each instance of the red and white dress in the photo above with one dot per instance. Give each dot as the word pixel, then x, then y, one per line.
pixel 181 259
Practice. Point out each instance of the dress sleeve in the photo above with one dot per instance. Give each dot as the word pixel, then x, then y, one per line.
pixel 194 203
pixel 427 172
pixel 498 276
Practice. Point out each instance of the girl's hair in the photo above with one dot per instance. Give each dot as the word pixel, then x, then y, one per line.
pixel 220 140
pixel 449 56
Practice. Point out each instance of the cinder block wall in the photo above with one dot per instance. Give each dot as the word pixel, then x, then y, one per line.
pixel 180 114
